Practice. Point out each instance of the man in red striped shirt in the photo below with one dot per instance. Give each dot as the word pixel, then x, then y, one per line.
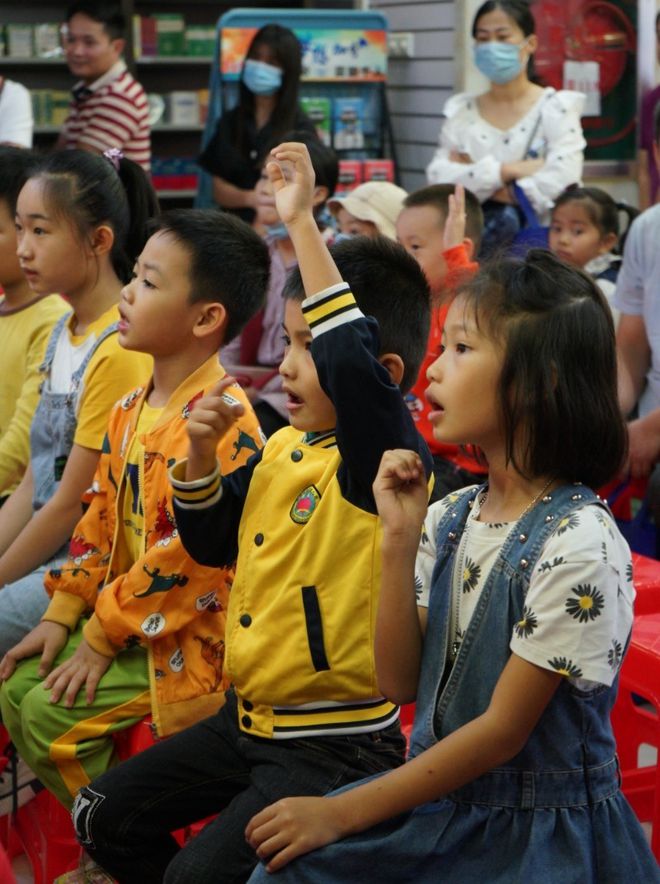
pixel 109 107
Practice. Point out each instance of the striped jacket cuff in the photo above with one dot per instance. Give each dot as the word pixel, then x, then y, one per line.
pixel 330 308
pixel 198 494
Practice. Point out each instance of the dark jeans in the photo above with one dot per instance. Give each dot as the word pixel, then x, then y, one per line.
pixel 124 818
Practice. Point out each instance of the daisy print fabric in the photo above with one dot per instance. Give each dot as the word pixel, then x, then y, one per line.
pixel 579 607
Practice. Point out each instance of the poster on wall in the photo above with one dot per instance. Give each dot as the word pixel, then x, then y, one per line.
pixel 590 46
pixel 327 54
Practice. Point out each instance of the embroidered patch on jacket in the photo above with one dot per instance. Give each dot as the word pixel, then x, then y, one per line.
pixel 305 504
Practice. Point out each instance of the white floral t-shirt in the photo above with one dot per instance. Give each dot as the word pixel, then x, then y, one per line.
pixel 579 607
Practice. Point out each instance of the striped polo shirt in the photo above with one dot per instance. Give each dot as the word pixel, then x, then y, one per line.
pixel 110 112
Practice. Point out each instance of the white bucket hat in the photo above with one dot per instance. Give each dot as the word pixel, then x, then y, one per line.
pixel 377 201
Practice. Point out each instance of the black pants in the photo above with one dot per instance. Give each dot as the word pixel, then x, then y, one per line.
pixel 124 818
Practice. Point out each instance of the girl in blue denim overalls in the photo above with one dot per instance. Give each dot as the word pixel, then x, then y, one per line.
pixel 81 220
pixel 523 615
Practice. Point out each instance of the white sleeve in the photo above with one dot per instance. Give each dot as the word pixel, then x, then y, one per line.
pixel 16 122
pixel 578 610
pixel 564 144
pixel 629 295
pixel 482 177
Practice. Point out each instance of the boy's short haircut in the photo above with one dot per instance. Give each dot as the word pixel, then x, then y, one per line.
pixel 16 163
pixel 437 195
pixel 389 285
pixel 229 262
pixel 324 161
pixel 106 13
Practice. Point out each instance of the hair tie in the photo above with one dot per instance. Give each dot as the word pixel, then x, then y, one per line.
pixel 113 155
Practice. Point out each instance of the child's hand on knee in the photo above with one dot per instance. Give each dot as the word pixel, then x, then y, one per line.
pixel 291 827
pixel 211 417
pixel 86 667
pixel 47 639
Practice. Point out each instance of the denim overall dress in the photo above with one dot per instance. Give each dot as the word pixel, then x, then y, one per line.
pixel 554 814
pixel 53 428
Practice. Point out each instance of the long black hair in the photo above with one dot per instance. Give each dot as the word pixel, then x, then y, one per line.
pixel 558 384
pixel 287 54
pixel 89 191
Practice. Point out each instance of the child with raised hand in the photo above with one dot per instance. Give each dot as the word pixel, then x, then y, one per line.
pixel 304 713
pixel 440 226
pixel 26 321
pixel 155 640
pixel 585 233
pixel 523 611
pixel 80 221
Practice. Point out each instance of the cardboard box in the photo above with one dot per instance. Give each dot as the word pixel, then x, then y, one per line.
pixel 47 39
pixel 348 123
pixel 378 170
pixel 20 40
pixel 200 41
pixel 319 110
pixel 350 175
pixel 184 108
pixel 171 33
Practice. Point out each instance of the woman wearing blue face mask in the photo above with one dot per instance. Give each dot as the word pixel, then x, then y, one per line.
pixel 515 132
pixel 267 108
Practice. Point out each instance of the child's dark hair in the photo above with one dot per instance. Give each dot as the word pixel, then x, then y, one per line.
pixel 229 262
pixel 89 191
pixel 107 14
pixel 16 164
pixel 558 386
pixel 601 209
pixel 389 285
pixel 287 54
pixel 437 195
pixel 518 11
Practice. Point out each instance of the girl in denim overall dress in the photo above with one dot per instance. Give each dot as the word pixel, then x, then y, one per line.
pixel 507 623
pixel 81 219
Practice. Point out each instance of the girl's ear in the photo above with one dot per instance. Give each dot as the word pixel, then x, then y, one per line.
pixel 607 243
pixel 320 195
pixel 532 44
pixel 102 240
pixel 212 319
pixel 394 364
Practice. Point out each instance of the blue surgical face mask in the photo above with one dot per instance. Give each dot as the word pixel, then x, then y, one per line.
pixel 261 78
pixel 277 231
pixel 342 237
pixel 500 62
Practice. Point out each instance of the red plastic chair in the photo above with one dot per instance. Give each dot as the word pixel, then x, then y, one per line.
pixel 646 577
pixel 638 723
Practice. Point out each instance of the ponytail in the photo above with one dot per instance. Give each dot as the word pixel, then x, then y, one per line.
pixel 631 213
pixel 90 190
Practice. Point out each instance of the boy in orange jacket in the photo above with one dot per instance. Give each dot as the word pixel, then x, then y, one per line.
pixel 154 642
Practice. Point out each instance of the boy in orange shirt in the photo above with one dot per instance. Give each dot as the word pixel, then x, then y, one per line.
pixel 440 226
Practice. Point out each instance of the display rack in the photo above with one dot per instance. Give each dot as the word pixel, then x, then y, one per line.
pixel 328 37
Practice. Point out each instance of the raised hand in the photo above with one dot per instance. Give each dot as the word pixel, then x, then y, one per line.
pixel 401 494
pixel 292 178
pixel 454 230
pixel 211 417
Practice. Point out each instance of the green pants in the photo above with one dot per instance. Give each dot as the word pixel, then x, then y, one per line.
pixel 67 748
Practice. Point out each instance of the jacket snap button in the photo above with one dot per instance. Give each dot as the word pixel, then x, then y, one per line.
pixel 258 539
pixel 247 706
pixel 245 620
pixel 296 455
pixel 246 721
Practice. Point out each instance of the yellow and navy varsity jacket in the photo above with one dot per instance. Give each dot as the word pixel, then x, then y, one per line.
pixel 164 601
pixel 302 517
